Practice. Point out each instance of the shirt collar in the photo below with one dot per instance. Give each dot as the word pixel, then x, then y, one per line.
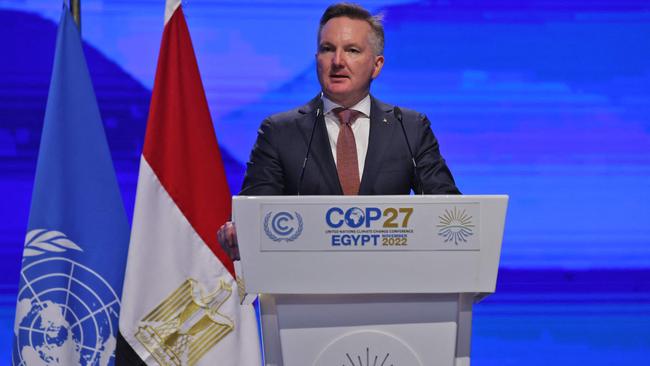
pixel 363 106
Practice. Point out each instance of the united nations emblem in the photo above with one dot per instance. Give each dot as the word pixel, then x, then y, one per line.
pixel 455 225
pixel 67 313
pixel 186 325
pixel 283 226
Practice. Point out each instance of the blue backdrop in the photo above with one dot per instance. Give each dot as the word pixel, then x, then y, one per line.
pixel 547 101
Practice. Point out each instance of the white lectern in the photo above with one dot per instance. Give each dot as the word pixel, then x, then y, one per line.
pixel 368 280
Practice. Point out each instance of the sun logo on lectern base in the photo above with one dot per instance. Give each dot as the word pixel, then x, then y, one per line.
pixel 367 347
pixel 368 358
pixel 455 225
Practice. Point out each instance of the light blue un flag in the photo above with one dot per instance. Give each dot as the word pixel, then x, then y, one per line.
pixel 76 243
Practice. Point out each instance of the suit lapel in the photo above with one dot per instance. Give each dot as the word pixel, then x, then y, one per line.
pixel 320 156
pixel 382 128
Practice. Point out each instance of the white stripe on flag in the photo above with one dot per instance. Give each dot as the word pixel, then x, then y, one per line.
pixel 164 252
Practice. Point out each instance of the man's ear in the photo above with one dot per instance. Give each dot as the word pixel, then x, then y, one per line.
pixel 378 64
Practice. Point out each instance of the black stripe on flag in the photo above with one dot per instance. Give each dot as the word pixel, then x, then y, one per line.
pixel 125 355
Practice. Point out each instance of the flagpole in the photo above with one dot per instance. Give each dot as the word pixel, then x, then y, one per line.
pixel 75 8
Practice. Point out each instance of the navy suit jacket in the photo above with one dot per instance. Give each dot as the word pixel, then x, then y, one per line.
pixel 277 157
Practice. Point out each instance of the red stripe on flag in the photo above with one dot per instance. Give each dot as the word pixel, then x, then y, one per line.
pixel 180 143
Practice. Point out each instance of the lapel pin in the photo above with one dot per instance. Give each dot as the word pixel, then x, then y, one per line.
pixel 385 121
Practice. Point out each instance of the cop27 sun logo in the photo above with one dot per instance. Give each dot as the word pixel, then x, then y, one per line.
pixel 283 226
pixel 455 225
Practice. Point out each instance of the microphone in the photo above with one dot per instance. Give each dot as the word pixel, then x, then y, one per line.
pixel 311 138
pixel 418 183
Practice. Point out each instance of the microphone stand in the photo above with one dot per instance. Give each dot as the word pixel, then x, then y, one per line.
pixel 418 183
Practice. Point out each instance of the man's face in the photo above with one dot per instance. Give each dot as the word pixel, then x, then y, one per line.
pixel 346 60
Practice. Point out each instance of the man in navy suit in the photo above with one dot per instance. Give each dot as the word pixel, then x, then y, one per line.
pixel 349 57
pixel 351 142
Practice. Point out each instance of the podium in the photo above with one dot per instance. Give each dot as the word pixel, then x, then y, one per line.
pixel 368 280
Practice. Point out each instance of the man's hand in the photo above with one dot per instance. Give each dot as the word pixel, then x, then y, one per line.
pixel 227 237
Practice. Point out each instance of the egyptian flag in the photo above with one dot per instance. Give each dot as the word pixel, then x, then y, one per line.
pixel 180 302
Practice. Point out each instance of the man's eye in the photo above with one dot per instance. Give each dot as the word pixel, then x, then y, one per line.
pixel 325 48
pixel 354 50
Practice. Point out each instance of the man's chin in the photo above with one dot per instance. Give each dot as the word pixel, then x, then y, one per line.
pixel 340 87
pixel 337 94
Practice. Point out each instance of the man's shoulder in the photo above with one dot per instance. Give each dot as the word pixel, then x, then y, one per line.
pixel 285 117
pixel 407 113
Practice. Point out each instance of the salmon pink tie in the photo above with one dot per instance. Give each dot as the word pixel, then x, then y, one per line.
pixel 347 164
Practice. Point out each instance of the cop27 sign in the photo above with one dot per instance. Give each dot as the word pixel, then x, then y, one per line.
pixel 323 227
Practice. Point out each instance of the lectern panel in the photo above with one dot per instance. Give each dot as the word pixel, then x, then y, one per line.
pixel 369 244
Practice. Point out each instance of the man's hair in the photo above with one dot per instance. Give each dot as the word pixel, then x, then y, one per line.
pixel 355 11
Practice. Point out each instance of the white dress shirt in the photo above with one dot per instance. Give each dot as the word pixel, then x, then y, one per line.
pixel 360 128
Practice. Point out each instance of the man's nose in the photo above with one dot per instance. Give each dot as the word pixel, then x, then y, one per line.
pixel 338 58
